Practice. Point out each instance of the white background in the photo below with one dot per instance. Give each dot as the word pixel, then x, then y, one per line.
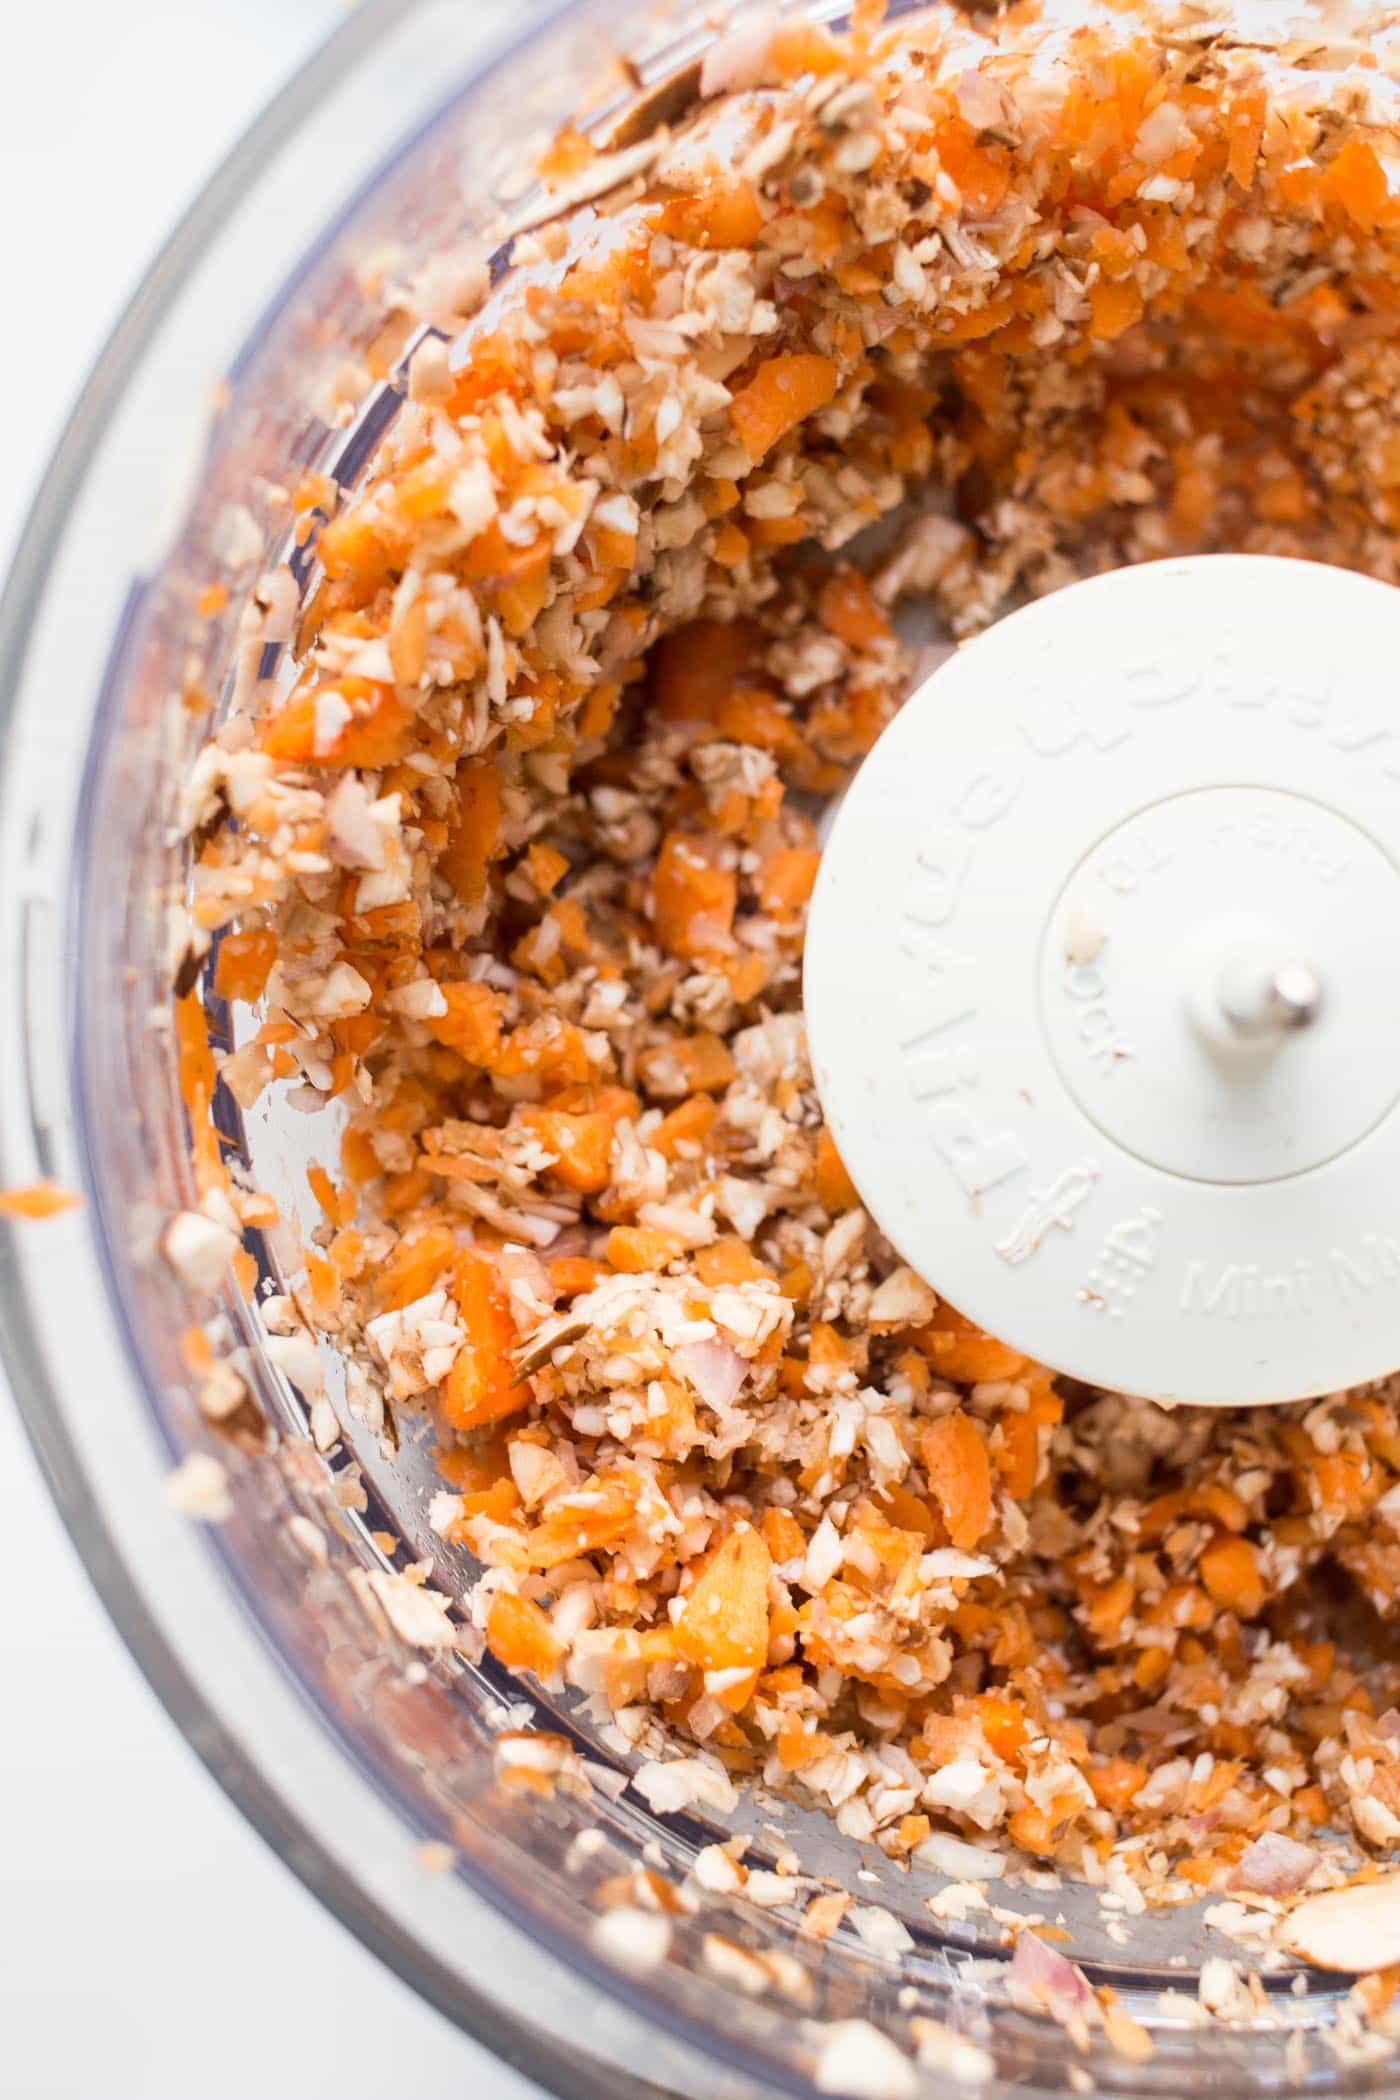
pixel 150 1947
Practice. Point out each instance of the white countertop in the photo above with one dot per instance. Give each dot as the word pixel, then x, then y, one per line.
pixel 153 1948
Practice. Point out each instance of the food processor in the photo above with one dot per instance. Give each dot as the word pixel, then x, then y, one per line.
pixel 474 1831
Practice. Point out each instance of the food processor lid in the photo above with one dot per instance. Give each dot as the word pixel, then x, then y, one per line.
pixel 1103 980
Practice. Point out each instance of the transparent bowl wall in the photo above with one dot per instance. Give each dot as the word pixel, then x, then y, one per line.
pixel 346 1750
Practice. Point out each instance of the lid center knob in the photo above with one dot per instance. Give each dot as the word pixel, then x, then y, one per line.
pixel 1262 1001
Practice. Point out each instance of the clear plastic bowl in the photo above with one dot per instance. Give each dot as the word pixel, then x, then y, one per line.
pixel 347 1751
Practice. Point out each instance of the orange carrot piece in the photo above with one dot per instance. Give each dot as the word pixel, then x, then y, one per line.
pixel 41 1199
pixel 414 1267
pixel 959 1476
pixel 835 1189
pixel 472 1024
pixel 1232 1577
pixel 694 670
pixel 959 1349
pixel 582 1145
pixel 724 1625
pixel 725 214
pixel 787 878
pixel 694 897
pixel 520 1636
pixel 245 964
pixel 637 1249
pixel 473 837
pixel 379 731
pixel 848 609
pixel 481 1387
pixel 783 392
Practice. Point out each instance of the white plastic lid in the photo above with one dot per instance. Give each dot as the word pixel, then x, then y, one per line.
pixel 1103 980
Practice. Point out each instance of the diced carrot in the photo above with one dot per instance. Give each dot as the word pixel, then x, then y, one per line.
pixel 731 544
pixel 728 1260
pixel 197 1081
pixel 908 1510
pixel 1114 305
pixel 724 1625
pixel 694 669
pixel 1018 1455
pixel 783 1535
pixel 1232 1577
pixel 547 867
pixel 782 393
pixel 337 1205
pixel 1003 1723
pixel 802 47
pixel 41 1199
pixel 1117 1783
pixel 472 1024
pixel 520 1636
pixel 982 173
pixel 786 878
pixel 1034 1831
pixel 573 1274
pixel 566 157
pixel 725 214
pixel 245 964
pixel 350 548
pixel 584 1522
pixel 959 1349
pixel 848 609
pixel 637 1249
pixel 685 1127
pixel 748 716
pixel 959 1476
pixel 416 1265
pixel 694 895
pixel 358 1158
pixel 480 1387
pixel 1355 182
pixel 309 730
pixel 473 836
pixel 835 1189
pixel 582 1145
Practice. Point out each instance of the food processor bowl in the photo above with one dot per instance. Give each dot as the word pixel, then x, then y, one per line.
pixel 475 1832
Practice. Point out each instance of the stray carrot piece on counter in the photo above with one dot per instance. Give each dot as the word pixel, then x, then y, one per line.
pixel 783 392
pixel 41 1199
pixel 481 1387
pixel 959 1476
